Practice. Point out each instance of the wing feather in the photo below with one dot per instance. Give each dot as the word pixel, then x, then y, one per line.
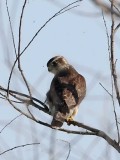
pixel 66 92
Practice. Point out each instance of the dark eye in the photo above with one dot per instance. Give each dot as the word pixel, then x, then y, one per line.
pixel 54 64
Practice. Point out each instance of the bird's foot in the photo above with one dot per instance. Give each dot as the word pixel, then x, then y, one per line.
pixel 69 119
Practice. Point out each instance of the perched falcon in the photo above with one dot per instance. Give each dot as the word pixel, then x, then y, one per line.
pixel 67 90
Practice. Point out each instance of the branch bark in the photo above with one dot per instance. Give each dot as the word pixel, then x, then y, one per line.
pixel 89 130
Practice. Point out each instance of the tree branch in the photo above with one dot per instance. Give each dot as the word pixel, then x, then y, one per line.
pixel 89 130
pixel 24 145
pixel 111 59
pixel 13 39
pixel 113 67
pixel 10 122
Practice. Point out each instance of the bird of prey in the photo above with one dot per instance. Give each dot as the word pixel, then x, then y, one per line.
pixel 67 90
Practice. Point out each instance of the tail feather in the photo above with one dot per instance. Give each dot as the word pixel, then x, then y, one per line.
pixel 58 120
pixel 56 124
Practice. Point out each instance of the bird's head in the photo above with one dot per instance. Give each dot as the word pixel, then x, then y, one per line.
pixel 57 64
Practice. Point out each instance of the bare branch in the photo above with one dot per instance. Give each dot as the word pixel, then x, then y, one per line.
pixel 10 76
pixel 90 130
pixel 93 131
pixel 107 34
pixel 19 47
pixel 4 97
pixel 98 133
pixel 67 10
pixel 79 13
pixel 56 14
pixel 19 62
pixel 113 67
pixel 19 65
pixel 117 27
pixel 13 39
pixel 10 122
pixel 20 25
pixel 45 109
pixel 111 58
pixel 69 147
pixel 115 7
pixel 105 89
pixel 106 8
pixel 24 145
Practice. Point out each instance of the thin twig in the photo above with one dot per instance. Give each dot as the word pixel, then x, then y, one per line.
pixel 115 7
pixel 116 28
pixel 69 145
pixel 56 14
pixel 105 89
pixel 107 34
pixel 4 97
pixel 24 145
pixel 10 122
pixel 19 47
pixel 19 62
pixel 69 151
pixel 20 25
pixel 67 10
pixel 106 8
pixel 27 96
pixel 13 39
pixel 79 13
pixel 10 76
pixel 113 67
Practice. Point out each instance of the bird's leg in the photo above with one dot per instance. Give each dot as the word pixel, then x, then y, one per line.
pixel 71 117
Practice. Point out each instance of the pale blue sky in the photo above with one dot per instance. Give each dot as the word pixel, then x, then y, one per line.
pixel 82 41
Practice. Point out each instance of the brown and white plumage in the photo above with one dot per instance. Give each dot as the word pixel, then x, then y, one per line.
pixel 67 90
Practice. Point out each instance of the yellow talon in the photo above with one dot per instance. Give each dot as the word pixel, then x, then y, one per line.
pixel 70 119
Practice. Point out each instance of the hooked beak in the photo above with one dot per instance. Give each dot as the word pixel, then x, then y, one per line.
pixel 49 69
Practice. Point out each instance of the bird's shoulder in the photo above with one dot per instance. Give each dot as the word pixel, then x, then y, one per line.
pixel 69 75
